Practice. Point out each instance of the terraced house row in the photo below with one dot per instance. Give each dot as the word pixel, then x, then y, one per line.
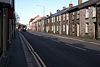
pixel 82 20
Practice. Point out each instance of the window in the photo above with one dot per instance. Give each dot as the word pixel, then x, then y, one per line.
pixel 73 28
pixel 56 19
pixel 67 17
pixel 59 17
pixel 57 28
pixel 87 13
pixel 73 15
pixel 86 28
pixel 39 23
pixel 63 16
pixel 67 29
pixel 52 27
pixel 47 28
pixel 94 12
pixel 78 14
pixel 63 27
pixel 52 19
pixel 48 20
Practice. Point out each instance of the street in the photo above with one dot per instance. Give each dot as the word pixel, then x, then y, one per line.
pixel 61 52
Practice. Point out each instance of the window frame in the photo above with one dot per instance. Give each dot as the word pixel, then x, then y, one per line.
pixel 87 28
pixel 87 13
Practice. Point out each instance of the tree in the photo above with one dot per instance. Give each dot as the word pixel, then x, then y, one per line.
pixel 17 18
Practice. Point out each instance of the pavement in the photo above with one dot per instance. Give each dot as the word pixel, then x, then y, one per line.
pixel 16 56
pixel 61 51
pixel 94 41
pixel 20 54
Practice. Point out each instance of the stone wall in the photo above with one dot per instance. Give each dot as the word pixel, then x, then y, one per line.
pixel 98 21
pixel 82 23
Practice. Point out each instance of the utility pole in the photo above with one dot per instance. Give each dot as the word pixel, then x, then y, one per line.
pixel 43 8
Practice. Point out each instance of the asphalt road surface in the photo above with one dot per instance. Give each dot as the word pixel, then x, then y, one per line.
pixel 60 52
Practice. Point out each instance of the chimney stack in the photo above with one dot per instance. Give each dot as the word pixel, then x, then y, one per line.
pixel 64 7
pixel 58 10
pixel 71 4
pixel 79 2
pixel 47 15
pixel 50 13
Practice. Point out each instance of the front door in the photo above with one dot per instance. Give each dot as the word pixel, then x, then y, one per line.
pixel 67 28
pixel 95 29
pixel 60 29
pixel 54 29
pixel 78 29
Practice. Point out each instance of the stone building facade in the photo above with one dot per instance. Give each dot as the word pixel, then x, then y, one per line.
pixel 37 24
pixel 82 20
pixel 98 20
pixel 88 19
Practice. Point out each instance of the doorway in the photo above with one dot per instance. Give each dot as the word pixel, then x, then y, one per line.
pixel 95 30
pixel 67 29
pixel 78 29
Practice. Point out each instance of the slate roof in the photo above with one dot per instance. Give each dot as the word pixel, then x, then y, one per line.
pixel 84 5
pixel 88 3
pixel 75 8
pixel 60 12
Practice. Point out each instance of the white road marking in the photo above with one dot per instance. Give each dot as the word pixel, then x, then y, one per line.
pixel 29 62
pixel 72 39
pixel 77 40
pixel 66 44
pixel 72 46
pixel 35 55
pixel 83 49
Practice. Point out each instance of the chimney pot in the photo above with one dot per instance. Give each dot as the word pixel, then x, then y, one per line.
pixel 79 2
